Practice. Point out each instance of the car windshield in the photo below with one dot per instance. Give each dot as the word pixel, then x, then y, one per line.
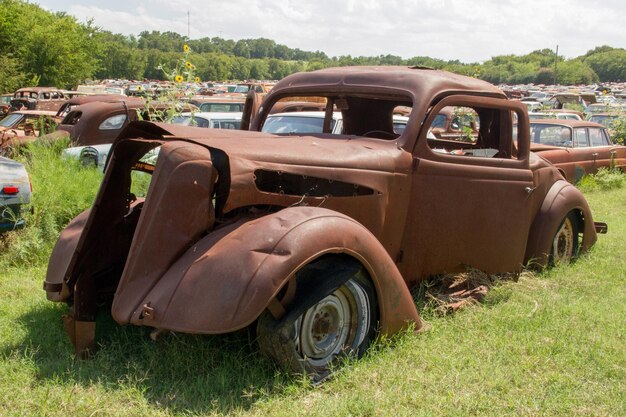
pixel 10 120
pixel 295 124
pixel 221 107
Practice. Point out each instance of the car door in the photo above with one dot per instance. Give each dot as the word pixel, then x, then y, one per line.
pixel 601 146
pixel 471 202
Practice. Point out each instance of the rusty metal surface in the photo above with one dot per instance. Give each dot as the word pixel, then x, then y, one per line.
pixel 26 126
pixel 38 98
pixel 231 217
pixel 84 123
pixel 576 161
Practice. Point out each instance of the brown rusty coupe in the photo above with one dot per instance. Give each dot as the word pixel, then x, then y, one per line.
pixel 576 148
pixel 313 238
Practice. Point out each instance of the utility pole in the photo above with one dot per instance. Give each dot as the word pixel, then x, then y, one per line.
pixel 556 58
pixel 188 25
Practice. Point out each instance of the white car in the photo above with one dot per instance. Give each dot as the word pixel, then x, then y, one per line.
pixel 96 155
pixel 313 122
pixel 15 191
pixel 216 120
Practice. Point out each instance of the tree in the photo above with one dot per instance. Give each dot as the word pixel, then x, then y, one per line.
pixel 610 65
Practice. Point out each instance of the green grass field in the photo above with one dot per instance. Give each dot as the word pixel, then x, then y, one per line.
pixel 553 343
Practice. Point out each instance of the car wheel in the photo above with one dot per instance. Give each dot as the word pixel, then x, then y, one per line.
pixel 343 323
pixel 565 241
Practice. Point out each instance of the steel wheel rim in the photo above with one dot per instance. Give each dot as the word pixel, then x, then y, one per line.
pixel 563 244
pixel 337 324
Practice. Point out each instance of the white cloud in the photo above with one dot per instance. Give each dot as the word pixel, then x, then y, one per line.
pixel 466 30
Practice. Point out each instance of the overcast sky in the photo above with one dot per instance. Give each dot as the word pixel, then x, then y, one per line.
pixel 467 30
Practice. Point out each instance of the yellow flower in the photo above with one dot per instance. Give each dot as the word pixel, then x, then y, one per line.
pixel 138 88
pixel 186 48
pixel 178 78
pixel 197 79
pixel 188 64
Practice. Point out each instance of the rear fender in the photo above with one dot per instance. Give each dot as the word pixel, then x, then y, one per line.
pixel 225 281
pixel 562 198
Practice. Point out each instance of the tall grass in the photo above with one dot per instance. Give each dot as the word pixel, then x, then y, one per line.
pixel 551 343
pixel 62 188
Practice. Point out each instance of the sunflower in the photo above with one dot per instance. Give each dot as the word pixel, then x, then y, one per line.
pixel 138 88
pixel 197 79
pixel 178 78
pixel 188 64
pixel 186 48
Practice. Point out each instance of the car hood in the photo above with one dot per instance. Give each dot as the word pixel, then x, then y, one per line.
pixel 327 151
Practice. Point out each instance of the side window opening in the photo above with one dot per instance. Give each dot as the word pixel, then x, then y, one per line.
pixel 113 122
pixel 471 131
pixel 595 137
pixel 580 138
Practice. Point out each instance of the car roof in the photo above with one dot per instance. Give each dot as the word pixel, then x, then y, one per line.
pixel 36 112
pixel 565 122
pixel 215 115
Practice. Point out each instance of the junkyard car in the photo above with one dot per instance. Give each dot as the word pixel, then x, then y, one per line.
pixel 37 98
pixel 216 120
pixel 15 192
pixel 300 122
pixel 5 103
pixel 96 155
pixel 100 122
pixel 576 148
pixel 220 103
pixel 25 125
pixel 314 238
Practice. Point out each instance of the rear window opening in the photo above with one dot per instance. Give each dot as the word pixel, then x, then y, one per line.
pixel 345 114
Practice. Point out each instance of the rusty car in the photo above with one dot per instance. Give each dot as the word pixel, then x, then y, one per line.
pixel 576 148
pixel 100 122
pixel 5 103
pixel 219 103
pixel 37 98
pixel 314 240
pixel 23 126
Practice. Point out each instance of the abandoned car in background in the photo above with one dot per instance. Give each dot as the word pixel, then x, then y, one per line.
pixel 576 148
pixel 25 126
pixel 37 98
pixel 314 238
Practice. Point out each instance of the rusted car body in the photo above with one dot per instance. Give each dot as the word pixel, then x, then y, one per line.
pixel 37 98
pixel 25 125
pixel 455 123
pixel 314 239
pixel 575 147
pixel 101 122
pixel 76 101
pixel 5 103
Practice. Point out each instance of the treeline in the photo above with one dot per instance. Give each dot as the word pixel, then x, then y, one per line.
pixel 38 47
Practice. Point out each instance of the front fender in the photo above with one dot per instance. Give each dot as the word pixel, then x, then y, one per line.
pixel 225 281
pixel 562 198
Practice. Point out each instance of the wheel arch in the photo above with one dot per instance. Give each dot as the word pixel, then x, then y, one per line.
pixel 561 199
pixel 227 280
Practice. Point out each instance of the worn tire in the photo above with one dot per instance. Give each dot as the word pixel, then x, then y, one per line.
pixel 564 247
pixel 342 324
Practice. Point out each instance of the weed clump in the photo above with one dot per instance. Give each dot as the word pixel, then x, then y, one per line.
pixel 62 188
